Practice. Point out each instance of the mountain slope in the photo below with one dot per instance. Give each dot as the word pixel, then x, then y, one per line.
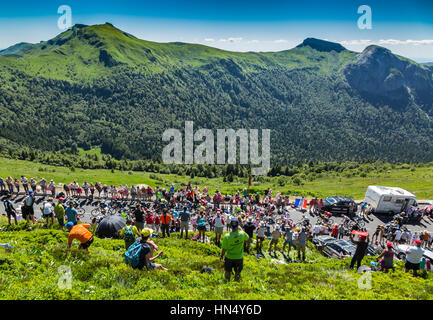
pixel 99 86
pixel 387 78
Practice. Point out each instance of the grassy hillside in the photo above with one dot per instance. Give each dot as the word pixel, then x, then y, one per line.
pixel 352 182
pixel 30 271
pixel 84 52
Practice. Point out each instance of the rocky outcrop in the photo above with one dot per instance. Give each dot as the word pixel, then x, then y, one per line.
pixel 382 77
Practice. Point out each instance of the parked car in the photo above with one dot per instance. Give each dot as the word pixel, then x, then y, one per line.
pixel 338 205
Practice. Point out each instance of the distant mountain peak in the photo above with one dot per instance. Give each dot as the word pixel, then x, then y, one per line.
pixel 322 45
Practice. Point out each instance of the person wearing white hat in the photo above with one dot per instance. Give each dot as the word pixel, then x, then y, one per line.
pixel 275 236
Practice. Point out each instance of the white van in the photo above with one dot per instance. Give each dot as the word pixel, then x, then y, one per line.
pixel 389 199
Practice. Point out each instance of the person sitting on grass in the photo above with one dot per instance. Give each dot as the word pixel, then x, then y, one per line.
pixel 146 254
pixel 129 233
pixel 9 208
pixel 81 233
pixel 388 258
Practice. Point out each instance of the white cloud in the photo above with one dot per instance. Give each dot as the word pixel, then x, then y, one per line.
pixel 404 42
pixel 209 40
pixel 356 42
pixel 253 41
pixel 387 42
pixel 231 39
pixel 281 41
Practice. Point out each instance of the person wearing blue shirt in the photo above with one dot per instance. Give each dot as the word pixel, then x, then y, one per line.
pixel 71 213
pixel 185 216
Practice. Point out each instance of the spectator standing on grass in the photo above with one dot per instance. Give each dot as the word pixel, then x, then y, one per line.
pixel 288 240
pixel 43 184
pixel 260 237
pixel 149 219
pixel 361 249
pixel 302 243
pixel 413 258
pixel 71 213
pixel 201 226
pixel 81 233
pixel 275 237
pixel 165 223
pixel 10 210
pixel 129 233
pixel 233 251
pixel 59 211
pixel 27 208
pixel 249 228
pixel 185 217
pixel 139 217
pixel 47 211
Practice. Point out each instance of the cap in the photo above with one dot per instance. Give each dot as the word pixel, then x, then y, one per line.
pixel 61 199
pixel 234 223
pixel 69 225
pixel 389 244
pixel 417 241
pixel 146 232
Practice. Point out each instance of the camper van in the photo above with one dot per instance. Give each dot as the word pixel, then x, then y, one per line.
pixel 389 200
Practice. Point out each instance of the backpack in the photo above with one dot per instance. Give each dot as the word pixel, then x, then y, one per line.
pixel 129 234
pixel 218 223
pixel 29 202
pixel 132 256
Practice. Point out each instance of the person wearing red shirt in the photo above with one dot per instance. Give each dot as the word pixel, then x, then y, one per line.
pixel 156 222
pixel 149 219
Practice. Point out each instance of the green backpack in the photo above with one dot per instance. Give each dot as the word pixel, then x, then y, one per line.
pixel 129 234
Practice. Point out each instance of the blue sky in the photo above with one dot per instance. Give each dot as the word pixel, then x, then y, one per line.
pixel 405 27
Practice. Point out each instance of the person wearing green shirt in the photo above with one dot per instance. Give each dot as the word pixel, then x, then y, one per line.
pixel 233 250
pixel 129 233
pixel 59 211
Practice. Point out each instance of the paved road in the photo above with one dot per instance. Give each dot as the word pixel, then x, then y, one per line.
pixel 295 215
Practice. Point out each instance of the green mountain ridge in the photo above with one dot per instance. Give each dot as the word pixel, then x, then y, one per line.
pixel 99 86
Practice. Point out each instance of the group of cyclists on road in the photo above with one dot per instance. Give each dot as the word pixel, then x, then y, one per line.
pixel 159 211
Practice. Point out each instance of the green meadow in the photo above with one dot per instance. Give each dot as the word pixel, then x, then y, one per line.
pixel 417 179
